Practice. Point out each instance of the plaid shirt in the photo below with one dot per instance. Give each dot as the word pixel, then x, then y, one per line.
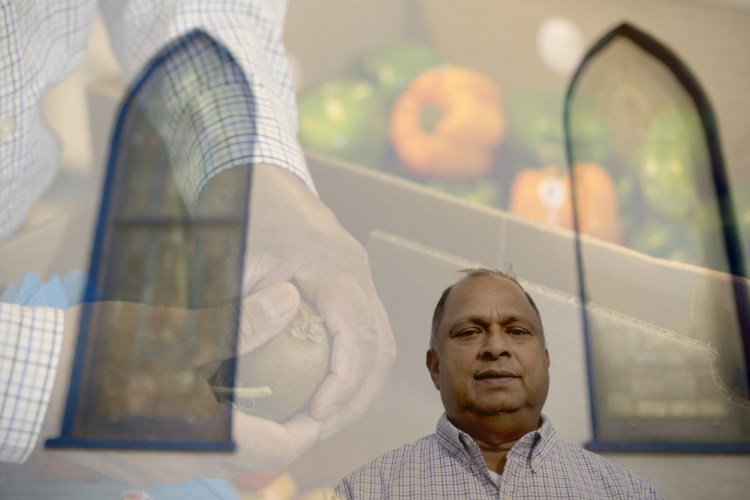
pixel 30 343
pixel 226 61
pixel 41 42
pixel 449 464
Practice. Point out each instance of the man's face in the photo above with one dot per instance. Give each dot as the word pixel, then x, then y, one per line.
pixel 490 356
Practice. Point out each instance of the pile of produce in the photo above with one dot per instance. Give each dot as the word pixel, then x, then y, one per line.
pixel 406 110
pixel 668 194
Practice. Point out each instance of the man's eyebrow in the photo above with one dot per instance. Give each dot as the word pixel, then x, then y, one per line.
pixel 515 319
pixel 484 320
pixel 470 319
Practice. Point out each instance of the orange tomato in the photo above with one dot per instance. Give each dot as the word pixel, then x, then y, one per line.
pixel 448 124
pixel 544 195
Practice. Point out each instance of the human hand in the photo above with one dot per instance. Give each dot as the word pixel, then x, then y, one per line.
pixel 262 444
pixel 293 237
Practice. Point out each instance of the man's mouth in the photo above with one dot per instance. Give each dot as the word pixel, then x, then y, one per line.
pixel 495 374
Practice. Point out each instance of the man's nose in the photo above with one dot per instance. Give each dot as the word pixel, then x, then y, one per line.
pixel 495 343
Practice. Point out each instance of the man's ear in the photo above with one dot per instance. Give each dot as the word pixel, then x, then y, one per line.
pixel 433 365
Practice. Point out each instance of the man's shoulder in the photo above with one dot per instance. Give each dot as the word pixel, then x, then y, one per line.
pixel 590 460
pixel 611 474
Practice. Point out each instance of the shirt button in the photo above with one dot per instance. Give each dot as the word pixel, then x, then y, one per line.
pixel 7 126
pixel 508 497
pixel 535 463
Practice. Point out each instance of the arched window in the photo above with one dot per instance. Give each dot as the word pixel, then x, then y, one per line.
pixel 672 375
pixel 132 384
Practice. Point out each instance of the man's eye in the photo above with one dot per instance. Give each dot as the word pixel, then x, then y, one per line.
pixel 517 331
pixel 467 332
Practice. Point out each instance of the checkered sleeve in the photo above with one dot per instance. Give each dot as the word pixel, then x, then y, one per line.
pixel 219 90
pixel 30 344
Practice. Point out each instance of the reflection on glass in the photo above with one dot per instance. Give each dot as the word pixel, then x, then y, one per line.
pixel 671 370
pixel 136 384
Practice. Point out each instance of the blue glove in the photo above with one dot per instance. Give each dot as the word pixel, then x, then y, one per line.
pixel 56 292
pixel 197 489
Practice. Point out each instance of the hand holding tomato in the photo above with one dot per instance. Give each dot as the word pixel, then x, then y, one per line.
pixel 293 237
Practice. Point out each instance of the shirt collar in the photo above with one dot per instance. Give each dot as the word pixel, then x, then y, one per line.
pixel 533 448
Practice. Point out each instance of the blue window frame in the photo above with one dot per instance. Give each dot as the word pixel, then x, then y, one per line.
pixel 128 389
pixel 670 373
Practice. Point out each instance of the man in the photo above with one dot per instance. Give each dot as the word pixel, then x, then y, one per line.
pixel 488 358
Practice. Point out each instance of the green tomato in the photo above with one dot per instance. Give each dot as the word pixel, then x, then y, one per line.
pixel 667 241
pixel 347 119
pixel 630 203
pixel 670 165
pixel 535 122
pixel 710 217
pixel 392 68
pixel 698 241
pixel 741 208
pixel 589 133
pixel 742 217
